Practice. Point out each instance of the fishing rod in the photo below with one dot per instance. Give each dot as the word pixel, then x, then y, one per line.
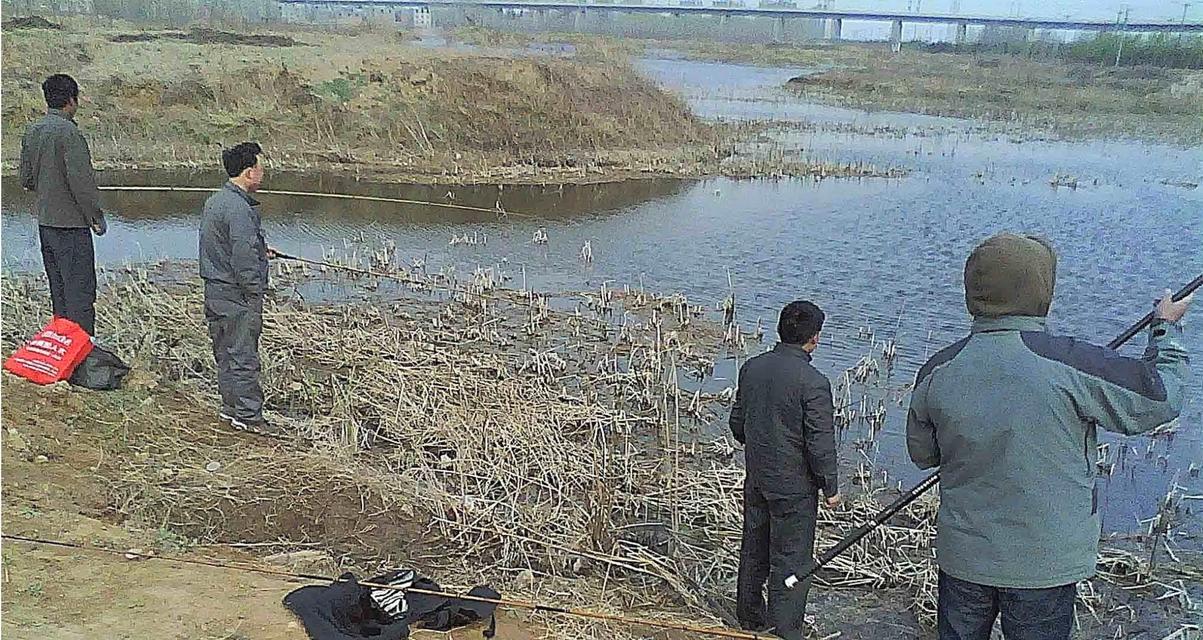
pixel 407 279
pixel 398 277
pixel 930 481
pixel 276 253
pixel 497 211
pixel 501 602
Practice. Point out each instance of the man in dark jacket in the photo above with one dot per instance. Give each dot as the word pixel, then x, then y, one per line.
pixel 1010 414
pixel 233 265
pixel 57 165
pixel 783 414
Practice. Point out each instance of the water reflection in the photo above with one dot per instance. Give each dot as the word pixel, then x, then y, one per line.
pixel 550 202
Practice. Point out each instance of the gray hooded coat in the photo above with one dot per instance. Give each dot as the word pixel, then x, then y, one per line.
pixel 1011 416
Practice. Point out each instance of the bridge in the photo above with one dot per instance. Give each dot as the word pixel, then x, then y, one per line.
pixel 782 11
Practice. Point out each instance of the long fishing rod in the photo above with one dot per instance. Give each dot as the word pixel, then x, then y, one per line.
pixel 930 481
pixel 403 278
pixel 501 602
pixel 399 277
pixel 497 211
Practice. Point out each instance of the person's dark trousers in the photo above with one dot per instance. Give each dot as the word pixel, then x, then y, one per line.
pixel 778 541
pixel 70 262
pixel 235 322
pixel 966 611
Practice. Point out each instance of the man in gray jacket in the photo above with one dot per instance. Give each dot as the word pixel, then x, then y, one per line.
pixel 783 414
pixel 1010 414
pixel 57 165
pixel 233 265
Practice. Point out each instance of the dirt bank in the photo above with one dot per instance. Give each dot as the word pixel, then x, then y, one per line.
pixel 373 104
pixel 31 22
pixel 1022 94
pixel 203 36
pixel 493 466
pixel 57 474
pixel 64 594
pixel 1067 99
pixel 1073 100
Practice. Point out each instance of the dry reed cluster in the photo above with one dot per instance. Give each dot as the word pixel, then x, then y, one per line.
pixel 553 441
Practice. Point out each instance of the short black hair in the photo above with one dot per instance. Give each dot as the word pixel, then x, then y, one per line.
pixel 59 89
pixel 240 157
pixel 800 321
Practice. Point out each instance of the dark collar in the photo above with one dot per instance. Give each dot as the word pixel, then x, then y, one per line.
pixel 60 113
pixel 984 324
pixel 792 349
pixel 244 195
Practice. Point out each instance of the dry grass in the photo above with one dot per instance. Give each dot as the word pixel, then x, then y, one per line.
pixel 539 443
pixel 370 100
pixel 486 430
pixel 583 45
pixel 1072 99
pixel 374 104
pixel 1067 98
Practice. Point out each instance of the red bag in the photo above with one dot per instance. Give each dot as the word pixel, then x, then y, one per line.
pixel 52 354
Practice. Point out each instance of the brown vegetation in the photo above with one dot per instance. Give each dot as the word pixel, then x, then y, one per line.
pixel 1031 95
pixel 1073 99
pixel 199 35
pixel 1066 98
pixel 488 438
pixel 480 433
pixel 375 104
pixel 370 102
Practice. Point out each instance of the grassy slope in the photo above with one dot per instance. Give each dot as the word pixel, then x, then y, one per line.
pixel 371 99
pixel 1074 99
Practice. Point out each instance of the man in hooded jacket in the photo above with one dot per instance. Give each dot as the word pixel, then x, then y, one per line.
pixel 1010 414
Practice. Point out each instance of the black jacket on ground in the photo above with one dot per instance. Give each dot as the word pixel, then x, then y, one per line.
pixel 346 610
pixel 343 611
pixel 783 414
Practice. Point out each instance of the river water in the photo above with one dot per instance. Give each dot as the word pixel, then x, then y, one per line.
pixel 879 254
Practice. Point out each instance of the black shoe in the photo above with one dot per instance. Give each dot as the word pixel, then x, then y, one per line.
pixel 258 426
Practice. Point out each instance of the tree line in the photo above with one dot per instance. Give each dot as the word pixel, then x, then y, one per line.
pixel 1158 50
pixel 172 12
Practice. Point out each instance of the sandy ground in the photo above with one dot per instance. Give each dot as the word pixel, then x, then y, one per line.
pixel 52 489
